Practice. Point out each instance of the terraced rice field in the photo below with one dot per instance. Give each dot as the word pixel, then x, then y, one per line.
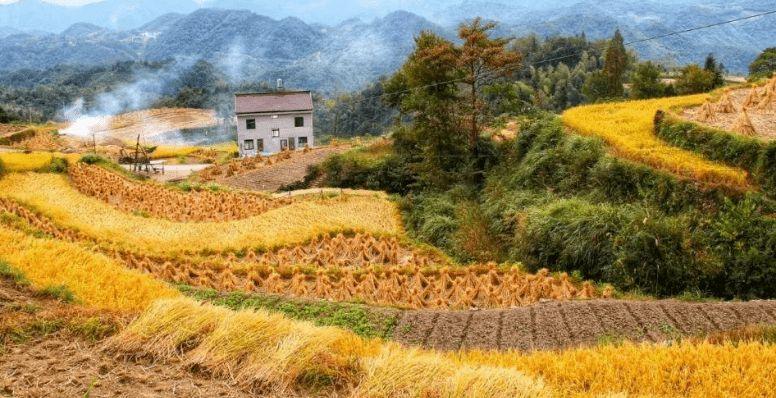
pixel 341 249
pixel 628 129
pixel 298 222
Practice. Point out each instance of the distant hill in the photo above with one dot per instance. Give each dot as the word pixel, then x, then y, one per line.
pixel 246 45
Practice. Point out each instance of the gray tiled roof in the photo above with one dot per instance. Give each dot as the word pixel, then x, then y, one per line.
pixel 273 102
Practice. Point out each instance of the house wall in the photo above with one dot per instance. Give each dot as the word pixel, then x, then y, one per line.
pixel 265 123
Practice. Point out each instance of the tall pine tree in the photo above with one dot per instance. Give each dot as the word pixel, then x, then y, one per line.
pixel 615 63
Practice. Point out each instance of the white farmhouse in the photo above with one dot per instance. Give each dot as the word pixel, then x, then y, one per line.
pixel 272 122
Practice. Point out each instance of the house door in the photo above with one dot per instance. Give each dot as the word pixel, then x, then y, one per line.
pixel 291 143
pixel 283 144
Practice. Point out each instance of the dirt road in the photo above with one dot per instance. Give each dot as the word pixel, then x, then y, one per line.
pixel 557 325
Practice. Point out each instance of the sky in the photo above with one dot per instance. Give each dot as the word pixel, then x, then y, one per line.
pixel 60 2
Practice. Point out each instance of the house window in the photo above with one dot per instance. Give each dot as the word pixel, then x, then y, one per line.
pixel 276 132
pixel 259 145
pixel 291 143
pixel 302 142
pixel 250 124
pixel 283 144
pixel 248 145
pixel 299 121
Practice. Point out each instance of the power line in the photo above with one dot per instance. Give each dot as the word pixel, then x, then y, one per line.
pixel 537 63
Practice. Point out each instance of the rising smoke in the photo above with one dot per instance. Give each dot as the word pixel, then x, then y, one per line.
pixel 93 118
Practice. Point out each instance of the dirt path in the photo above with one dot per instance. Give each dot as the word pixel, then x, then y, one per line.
pixel 271 177
pixel 557 325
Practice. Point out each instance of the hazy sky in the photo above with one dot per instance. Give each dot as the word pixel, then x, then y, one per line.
pixel 61 2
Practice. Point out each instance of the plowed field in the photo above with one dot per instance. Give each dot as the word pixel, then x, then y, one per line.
pixel 559 325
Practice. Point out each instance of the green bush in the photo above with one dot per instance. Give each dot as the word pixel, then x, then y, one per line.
pixel 2 168
pixel 744 240
pixel 93 158
pixel 766 169
pixel 358 170
pixel 57 165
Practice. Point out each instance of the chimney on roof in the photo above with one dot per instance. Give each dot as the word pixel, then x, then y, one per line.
pixel 280 84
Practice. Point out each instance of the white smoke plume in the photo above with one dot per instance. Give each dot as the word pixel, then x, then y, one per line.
pixel 88 120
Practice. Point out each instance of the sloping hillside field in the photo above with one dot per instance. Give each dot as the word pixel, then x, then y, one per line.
pixel 628 127
pixel 243 294
pixel 53 196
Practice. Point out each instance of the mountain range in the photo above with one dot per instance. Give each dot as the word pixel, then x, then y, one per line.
pixel 346 55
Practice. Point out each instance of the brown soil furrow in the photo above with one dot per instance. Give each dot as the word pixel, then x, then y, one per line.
pixel 483 330
pixel 671 316
pixel 752 313
pixel 434 321
pixel 448 332
pixel 517 331
pixel 705 314
pixel 724 316
pixel 414 327
pixel 598 320
pixel 550 331
pixel 500 330
pixel 465 330
pixel 617 323
pixel 770 309
pixel 532 325
pixel 584 325
pixel 566 325
pixel 736 313
pixel 693 321
pixel 643 327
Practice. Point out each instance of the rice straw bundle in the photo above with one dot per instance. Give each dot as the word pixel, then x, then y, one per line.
pixel 725 105
pixel 706 112
pixel 752 99
pixel 743 124
pixel 768 99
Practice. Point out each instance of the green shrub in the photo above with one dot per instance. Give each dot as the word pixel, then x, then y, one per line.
pixel 355 169
pixel 56 165
pixel 93 158
pixel 59 292
pixel 766 169
pixel 16 276
pixel 744 240
pixel 431 218
pixel 2 168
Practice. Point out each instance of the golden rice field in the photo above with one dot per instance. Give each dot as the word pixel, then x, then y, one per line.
pixel 298 222
pixel 259 349
pixel 96 280
pixel 628 128
pixel 160 201
pixel 744 369
pixel 19 161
